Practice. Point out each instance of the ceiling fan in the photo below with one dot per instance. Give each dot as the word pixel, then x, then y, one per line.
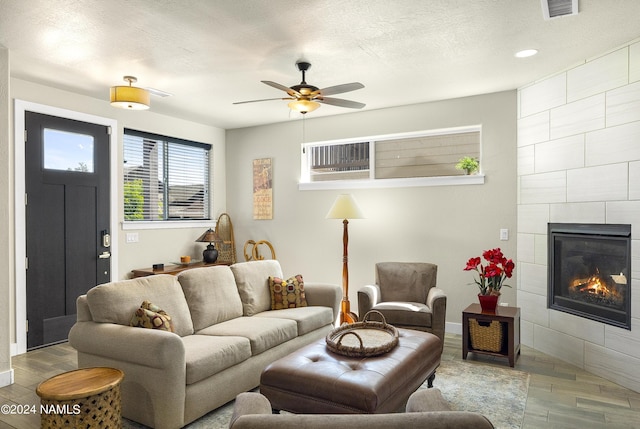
pixel 306 98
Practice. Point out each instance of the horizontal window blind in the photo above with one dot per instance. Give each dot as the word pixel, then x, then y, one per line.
pixel 164 178
pixel 339 161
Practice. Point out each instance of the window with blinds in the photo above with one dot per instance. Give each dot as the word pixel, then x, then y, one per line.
pixel 339 161
pixel 164 178
pixel 425 154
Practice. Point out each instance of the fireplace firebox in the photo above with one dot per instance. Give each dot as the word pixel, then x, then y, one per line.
pixel 590 271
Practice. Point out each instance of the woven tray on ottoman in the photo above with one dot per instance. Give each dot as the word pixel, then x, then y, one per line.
pixel 362 339
pixel 316 380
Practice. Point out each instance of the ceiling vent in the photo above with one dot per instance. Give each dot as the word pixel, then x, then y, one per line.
pixel 556 8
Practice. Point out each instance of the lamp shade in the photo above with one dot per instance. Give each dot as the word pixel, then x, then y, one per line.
pixel 130 97
pixel 345 207
pixel 303 106
pixel 209 236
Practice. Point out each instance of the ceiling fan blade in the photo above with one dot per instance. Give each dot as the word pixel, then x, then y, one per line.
pixel 264 99
pixel 286 89
pixel 338 89
pixel 340 102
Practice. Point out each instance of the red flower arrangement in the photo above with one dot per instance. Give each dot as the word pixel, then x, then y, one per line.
pixel 491 276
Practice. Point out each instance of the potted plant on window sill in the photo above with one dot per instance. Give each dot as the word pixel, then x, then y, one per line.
pixel 468 164
pixel 491 276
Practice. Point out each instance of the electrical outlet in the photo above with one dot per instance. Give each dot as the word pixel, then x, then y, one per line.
pixel 132 237
pixel 504 234
pixel 504 304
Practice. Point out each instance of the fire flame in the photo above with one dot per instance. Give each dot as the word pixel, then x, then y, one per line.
pixel 593 285
pixel 598 286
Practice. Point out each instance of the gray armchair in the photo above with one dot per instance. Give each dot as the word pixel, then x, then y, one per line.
pixel 406 294
pixel 426 408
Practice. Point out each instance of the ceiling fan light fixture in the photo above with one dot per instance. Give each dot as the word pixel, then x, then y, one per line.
pixel 303 106
pixel 130 97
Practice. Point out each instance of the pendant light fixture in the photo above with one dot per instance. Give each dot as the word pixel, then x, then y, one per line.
pixel 130 97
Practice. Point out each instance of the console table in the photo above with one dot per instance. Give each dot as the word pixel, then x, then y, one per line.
pixel 509 320
pixel 173 269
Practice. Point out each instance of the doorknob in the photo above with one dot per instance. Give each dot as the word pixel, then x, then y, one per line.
pixel 104 255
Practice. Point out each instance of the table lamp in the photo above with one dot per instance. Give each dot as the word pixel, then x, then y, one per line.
pixel 345 207
pixel 210 254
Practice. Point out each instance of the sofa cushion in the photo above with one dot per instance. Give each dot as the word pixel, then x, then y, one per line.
pixel 151 316
pixel 211 294
pixel 287 293
pixel 307 318
pixel 115 302
pixel 263 333
pixel 252 280
pixel 208 355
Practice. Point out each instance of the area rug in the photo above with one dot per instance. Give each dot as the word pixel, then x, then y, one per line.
pixel 499 393
pixel 496 392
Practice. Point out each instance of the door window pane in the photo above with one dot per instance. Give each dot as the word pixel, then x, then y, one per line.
pixel 68 151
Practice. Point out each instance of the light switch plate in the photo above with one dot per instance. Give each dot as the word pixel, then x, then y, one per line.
pixel 504 234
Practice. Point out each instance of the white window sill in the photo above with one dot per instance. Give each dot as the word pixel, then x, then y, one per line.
pixel 168 224
pixel 474 179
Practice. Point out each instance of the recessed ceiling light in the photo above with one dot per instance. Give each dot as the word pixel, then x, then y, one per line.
pixel 526 53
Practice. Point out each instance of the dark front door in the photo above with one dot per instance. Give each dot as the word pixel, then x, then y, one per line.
pixel 68 237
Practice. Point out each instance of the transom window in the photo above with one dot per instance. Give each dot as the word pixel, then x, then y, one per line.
pixel 164 178
pixel 404 156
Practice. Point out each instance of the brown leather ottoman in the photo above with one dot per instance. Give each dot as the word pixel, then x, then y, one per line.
pixel 314 380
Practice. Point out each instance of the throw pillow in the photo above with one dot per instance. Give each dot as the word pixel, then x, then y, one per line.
pixel 287 293
pixel 151 316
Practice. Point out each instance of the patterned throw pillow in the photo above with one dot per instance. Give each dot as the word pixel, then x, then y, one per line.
pixel 152 317
pixel 287 293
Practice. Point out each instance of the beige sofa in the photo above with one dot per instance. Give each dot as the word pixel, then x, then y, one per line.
pixel 426 408
pixel 225 335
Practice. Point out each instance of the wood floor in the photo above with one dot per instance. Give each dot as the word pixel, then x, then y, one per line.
pixel 560 395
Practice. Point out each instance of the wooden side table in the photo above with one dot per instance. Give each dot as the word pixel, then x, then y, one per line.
pixel 173 269
pixel 85 398
pixel 509 320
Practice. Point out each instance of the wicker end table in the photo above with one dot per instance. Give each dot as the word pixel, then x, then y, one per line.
pixel 496 334
pixel 83 398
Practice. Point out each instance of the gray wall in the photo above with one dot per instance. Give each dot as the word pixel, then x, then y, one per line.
pixel 445 225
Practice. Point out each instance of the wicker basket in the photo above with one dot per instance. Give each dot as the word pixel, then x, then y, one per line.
pixel 486 337
pixel 363 339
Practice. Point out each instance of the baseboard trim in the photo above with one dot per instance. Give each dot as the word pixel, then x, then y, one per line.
pixel 453 328
pixel 6 378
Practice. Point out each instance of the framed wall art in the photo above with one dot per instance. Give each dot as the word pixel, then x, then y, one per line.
pixel 262 189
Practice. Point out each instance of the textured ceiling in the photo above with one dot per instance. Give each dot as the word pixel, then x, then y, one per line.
pixel 211 53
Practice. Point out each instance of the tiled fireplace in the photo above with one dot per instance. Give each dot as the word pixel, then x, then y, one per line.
pixel 579 163
pixel 589 271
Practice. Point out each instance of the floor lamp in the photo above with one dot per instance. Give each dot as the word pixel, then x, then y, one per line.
pixel 345 207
